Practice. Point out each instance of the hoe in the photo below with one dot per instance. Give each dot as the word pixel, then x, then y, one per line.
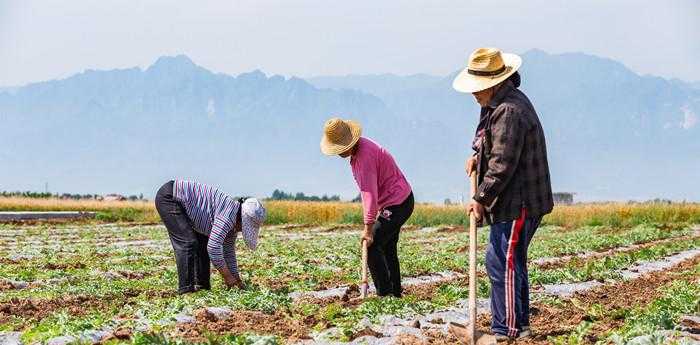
pixel 363 286
pixel 469 333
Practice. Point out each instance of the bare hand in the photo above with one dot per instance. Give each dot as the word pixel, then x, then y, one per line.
pixel 470 165
pixel 231 280
pixel 234 282
pixel 368 235
pixel 477 208
pixel 368 239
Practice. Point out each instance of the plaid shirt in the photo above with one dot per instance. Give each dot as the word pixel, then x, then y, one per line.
pixel 511 156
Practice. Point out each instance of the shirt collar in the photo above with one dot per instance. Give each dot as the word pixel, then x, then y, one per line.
pixel 352 158
pixel 497 99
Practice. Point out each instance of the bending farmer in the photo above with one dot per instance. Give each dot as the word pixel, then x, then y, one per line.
pixel 387 199
pixel 203 224
pixel 514 189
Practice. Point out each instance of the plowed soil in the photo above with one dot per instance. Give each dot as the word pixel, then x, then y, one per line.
pixel 37 309
pixel 243 321
pixel 548 321
pixel 32 310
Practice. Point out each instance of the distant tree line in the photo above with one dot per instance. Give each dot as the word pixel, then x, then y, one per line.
pixel 281 195
pixel 36 195
pixel 43 195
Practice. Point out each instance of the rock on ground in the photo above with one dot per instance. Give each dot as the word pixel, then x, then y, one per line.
pixel 666 337
pixel 569 289
pixel 10 338
pixel 94 336
pixel 183 318
pixel 64 340
pixel 690 324
pixel 372 340
pixel 15 284
pixel 218 313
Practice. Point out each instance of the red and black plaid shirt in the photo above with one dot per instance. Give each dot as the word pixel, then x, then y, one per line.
pixel 511 155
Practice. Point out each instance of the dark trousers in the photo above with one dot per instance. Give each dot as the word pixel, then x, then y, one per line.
pixel 506 264
pixel 382 255
pixel 191 256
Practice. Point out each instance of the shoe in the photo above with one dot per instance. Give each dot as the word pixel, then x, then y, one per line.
pixel 501 337
pixel 186 291
pixel 525 333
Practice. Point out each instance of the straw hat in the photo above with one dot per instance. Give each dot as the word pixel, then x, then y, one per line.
pixel 252 216
pixel 486 68
pixel 339 136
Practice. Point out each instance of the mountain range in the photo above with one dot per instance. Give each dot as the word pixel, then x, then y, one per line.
pixel 611 134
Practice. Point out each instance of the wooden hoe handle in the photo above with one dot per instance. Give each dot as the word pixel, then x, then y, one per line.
pixel 363 288
pixel 472 266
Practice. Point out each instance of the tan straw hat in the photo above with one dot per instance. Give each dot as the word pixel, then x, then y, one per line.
pixel 339 136
pixel 486 68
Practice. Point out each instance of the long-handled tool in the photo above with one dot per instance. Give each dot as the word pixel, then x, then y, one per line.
pixel 469 333
pixel 363 287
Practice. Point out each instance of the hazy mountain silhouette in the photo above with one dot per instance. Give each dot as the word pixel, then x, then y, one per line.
pixel 611 133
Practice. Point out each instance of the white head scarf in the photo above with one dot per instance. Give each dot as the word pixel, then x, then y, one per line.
pixel 252 217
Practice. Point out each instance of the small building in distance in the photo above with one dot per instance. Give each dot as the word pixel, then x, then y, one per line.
pixel 114 197
pixel 563 198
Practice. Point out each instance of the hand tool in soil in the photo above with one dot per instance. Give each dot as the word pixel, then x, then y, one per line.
pixel 469 333
pixel 363 286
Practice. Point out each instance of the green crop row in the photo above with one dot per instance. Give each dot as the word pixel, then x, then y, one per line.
pixel 607 267
pixel 680 297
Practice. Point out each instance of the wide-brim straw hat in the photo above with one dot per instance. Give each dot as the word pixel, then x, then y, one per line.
pixel 339 136
pixel 253 215
pixel 486 68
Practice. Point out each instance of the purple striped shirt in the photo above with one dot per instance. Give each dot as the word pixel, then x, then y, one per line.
pixel 213 213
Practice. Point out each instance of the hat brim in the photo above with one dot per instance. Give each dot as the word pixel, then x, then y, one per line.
pixel 331 149
pixel 469 83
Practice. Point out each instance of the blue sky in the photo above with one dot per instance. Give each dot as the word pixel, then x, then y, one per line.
pixel 47 39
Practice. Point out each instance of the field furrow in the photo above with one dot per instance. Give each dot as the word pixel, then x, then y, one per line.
pixel 66 280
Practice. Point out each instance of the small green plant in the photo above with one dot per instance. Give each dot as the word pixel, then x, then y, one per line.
pixel 680 297
pixel 576 337
pixel 331 312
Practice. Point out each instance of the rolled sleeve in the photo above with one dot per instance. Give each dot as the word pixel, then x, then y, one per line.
pixel 507 139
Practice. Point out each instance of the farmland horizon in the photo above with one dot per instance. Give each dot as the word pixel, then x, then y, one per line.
pixel 326 197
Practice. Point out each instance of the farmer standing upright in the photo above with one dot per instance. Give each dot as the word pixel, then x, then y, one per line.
pixel 203 224
pixel 514 189
pixel 387 199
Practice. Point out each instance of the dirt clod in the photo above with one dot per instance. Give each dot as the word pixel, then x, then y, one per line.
pixel 5 285
pixel 63 266
pixel 122 333
pixel 437 321
pixel 366 331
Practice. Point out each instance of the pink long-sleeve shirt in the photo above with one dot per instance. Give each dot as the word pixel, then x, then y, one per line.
pixel 381 182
